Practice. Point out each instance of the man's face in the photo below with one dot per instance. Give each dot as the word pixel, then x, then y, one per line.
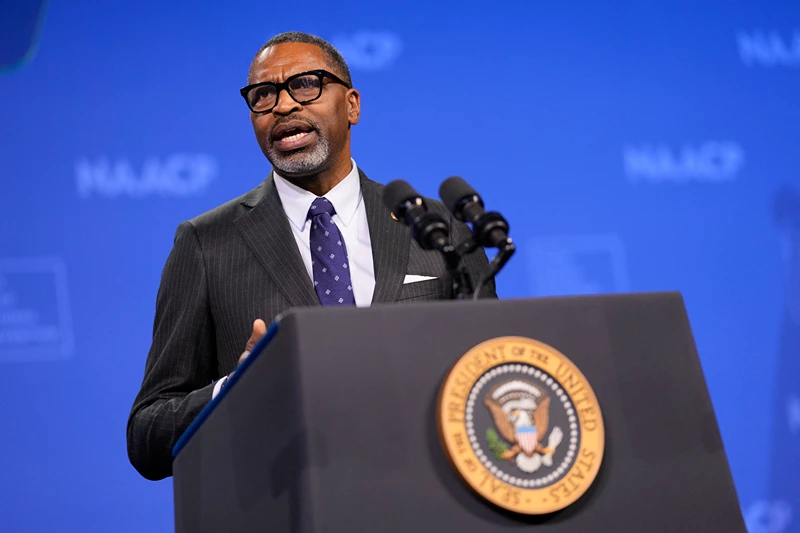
pixel 304 139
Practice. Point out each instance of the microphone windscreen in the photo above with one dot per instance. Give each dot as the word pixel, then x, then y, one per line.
pixel 453 190
pixel 396 193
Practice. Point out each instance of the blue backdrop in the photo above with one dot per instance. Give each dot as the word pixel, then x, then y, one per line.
pixel 633 146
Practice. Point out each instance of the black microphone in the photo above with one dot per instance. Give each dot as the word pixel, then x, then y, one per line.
pixel 489 228
pixel 428 229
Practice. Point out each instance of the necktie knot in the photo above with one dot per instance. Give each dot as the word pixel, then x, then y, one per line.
pixel 320 206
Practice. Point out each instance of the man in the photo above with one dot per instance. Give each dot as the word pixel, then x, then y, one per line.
pixel 315 232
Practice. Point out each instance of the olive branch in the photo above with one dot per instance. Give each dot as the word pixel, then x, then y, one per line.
pixel 496 444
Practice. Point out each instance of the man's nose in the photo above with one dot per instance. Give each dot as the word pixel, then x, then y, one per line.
pixel 285 104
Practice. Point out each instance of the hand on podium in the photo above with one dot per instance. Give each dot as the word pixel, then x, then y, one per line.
pixel 259 330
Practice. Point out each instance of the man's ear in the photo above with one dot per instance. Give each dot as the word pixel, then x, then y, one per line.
pixel 353 106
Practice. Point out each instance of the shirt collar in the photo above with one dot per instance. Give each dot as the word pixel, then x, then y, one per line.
pixel 345 197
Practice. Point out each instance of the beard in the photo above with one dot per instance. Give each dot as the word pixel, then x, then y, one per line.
pixel 306 160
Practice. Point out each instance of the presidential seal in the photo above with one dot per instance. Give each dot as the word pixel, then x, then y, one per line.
pixel 521 425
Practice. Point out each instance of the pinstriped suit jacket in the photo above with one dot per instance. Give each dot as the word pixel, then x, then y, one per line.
pixel 240 262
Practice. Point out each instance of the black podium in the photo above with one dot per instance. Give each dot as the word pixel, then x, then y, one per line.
pixel 332 425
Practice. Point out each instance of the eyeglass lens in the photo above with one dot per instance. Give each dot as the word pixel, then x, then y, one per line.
pixel 303 89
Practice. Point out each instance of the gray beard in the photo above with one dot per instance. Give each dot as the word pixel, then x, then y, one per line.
pixel 305 161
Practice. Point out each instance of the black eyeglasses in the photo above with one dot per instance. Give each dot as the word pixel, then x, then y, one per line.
pixel 303 88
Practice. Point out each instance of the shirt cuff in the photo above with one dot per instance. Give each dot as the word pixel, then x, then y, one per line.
pixel 218 386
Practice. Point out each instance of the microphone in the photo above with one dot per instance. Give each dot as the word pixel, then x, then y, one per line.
pixel 489 228
pixel 428 229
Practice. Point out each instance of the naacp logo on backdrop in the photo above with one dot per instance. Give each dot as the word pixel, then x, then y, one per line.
pixel 709 162
pixel 769 49
pixel 177 175
pixel 369 50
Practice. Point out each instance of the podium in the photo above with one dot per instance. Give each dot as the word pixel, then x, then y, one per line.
pixel 332 423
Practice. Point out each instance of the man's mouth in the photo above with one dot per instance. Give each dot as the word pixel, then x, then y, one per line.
pixel 293 135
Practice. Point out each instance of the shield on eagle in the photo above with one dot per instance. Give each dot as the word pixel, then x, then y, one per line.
pixel 527 438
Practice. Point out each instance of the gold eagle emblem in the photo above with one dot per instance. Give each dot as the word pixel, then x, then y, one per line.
pixel 521 414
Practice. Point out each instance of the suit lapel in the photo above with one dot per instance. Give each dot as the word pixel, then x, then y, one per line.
pixel 390 243
pixel 266 230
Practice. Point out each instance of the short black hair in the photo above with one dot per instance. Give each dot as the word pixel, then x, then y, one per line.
pixel 333 56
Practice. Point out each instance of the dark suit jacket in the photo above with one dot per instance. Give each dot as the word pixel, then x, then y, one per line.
pixel 240 262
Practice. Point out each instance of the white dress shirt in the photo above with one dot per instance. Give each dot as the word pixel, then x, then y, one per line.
pixel 350 218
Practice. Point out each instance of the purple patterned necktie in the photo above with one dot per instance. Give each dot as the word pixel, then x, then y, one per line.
pixel 329 257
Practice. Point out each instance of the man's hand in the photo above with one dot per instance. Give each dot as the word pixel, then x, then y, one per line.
pixel 259 329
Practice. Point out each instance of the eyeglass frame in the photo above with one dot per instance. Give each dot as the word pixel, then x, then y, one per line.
pixel 280 87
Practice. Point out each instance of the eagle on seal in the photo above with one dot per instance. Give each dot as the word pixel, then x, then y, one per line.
pixel 521 413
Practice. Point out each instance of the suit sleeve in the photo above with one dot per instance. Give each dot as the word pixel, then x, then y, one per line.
pixel 476 263
pixel 180 366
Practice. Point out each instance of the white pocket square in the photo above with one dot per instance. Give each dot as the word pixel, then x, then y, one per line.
pixel 414 278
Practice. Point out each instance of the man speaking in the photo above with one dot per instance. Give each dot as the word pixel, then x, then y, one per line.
pixel 315 232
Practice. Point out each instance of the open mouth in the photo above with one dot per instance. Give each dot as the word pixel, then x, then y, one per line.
pixel 293 135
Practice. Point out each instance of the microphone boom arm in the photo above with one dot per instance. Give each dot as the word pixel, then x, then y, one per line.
pixel 498 261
